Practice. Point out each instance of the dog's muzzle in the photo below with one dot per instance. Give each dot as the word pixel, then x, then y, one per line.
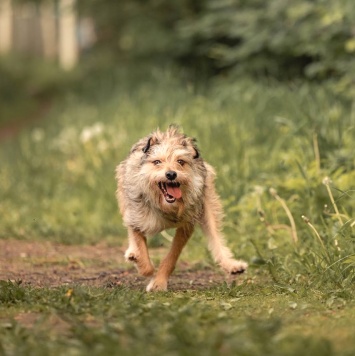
pixel 170 190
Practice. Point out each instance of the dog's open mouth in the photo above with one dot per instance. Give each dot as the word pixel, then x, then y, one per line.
pixel 170 190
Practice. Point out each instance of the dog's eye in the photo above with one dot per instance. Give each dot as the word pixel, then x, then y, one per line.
pixel 156 162
pixel 181 162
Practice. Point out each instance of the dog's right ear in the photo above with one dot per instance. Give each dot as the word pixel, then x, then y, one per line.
pixel 151 141
pixel 146 148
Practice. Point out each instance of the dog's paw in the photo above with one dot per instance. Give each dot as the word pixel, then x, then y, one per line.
pixel 235 267
pixel 145 267
pixel 131 256
pixel 155 285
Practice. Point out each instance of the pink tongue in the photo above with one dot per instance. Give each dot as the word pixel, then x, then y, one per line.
pixel 174 191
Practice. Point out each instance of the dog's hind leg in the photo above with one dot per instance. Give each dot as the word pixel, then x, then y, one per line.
pixel 137 252
pixel 211 226
pixel 167 266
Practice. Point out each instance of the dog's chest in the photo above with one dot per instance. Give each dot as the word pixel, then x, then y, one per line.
pixel 153 221
pixel 158 221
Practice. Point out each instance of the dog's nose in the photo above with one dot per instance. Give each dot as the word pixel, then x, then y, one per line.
pixel 171 175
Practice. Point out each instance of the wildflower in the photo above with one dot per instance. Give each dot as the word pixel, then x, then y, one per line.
pixel 37 135
pixel 327 181
pixel 89 132
pixel 258 189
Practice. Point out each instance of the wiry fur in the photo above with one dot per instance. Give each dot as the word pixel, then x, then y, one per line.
pixel 146 212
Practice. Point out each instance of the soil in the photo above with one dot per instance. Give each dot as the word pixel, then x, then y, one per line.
pixel 46 264
pixel 12 128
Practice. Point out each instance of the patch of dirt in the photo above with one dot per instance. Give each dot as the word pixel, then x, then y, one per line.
pixel 13 127
pixel 46 264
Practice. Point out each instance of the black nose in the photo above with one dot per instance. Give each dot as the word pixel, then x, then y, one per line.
pixel 171 175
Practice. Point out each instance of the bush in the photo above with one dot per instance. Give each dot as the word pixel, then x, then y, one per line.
pixel 314 40
pixel 283 39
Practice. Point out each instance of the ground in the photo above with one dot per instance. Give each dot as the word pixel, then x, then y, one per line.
pixel 46 264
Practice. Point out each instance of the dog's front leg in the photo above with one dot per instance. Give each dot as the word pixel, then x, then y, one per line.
pixel 211 226
pixel 167 266
pixel 137 252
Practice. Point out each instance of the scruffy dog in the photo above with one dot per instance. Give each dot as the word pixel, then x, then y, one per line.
pixel 164 183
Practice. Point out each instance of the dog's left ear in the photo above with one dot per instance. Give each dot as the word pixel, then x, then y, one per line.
pixel 192 142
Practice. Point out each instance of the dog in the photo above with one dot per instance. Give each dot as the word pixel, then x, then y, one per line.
pixel 164 183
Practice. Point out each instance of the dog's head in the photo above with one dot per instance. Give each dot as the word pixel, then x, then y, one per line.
pixel 171 169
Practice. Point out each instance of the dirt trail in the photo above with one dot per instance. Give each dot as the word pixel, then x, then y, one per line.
pixel 45 264
pixel 12 128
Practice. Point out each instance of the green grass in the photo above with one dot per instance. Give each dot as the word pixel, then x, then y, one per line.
pixel 251 319
pixel 57 184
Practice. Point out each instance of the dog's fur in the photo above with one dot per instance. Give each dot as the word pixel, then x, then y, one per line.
pixel 148 205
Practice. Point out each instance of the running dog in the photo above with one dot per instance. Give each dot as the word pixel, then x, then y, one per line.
pixel 164 183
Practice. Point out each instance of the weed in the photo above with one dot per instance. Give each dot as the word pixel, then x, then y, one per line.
pixel 11 292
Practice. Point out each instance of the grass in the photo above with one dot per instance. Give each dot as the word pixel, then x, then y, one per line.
pixel 272 146
pixel 229 319
pixel 235 320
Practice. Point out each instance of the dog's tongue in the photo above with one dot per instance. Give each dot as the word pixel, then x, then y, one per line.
pixel 174 191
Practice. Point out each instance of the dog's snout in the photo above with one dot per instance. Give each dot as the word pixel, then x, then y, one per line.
pixel 171 175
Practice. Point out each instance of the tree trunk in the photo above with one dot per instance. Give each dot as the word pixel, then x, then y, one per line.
pixel 48 30
pixel 68 46
pixel 5 26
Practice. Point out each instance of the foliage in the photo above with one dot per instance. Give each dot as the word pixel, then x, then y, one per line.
pixel 284 40
pixel 276 38
pixel 11 292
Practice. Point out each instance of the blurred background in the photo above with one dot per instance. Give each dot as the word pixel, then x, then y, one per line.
pixel 267 88
pixel 308 40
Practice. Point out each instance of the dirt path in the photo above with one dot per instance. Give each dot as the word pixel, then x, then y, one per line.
pixel 11 128
pixel 45 264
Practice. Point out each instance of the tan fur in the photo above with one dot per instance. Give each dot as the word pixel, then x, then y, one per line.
pixel 146 211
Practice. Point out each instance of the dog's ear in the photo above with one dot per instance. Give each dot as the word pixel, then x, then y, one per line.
pixel 144 144
pixel 188 141
pixel 146 148
pixel 152 140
